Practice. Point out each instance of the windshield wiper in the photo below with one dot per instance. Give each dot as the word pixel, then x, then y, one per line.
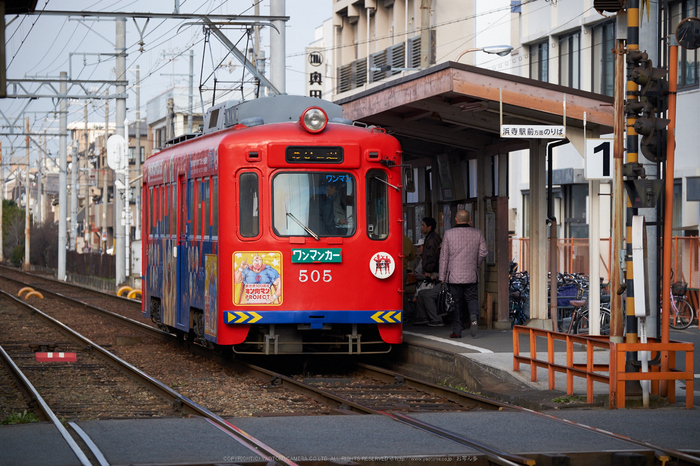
pixel 306 229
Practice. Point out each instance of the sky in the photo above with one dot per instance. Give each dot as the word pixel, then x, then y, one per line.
pixel 43 46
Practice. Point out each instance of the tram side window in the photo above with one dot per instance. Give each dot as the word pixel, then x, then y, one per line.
pixel 190 206
pixel 249 217
pixel 377 205
pixel 173 209
pixel 215 206
pixel 206 204
pixel 166 210
pixel 151 220
pixel 197 208
pixel 159 203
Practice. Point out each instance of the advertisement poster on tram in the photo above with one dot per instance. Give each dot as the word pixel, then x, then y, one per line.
pixel 210 293
pixel 257 278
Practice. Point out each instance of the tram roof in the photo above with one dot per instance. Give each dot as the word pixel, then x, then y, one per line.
pixel 457 106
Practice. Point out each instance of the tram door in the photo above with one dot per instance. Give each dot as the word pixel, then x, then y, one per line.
pixel 183 304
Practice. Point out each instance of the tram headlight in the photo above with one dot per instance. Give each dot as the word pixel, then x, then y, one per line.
pixel 314 120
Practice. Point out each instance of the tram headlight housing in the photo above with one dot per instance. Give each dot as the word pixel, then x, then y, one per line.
pixel 314 120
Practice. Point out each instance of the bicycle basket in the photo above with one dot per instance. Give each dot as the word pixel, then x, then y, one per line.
pixel 565 294
pixel 679 288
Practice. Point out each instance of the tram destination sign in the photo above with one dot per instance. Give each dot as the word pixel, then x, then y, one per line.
pixel 316 256
pixel 533 131
pixel 313 154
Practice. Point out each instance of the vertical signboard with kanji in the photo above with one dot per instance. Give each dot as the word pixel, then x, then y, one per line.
pixel 315 65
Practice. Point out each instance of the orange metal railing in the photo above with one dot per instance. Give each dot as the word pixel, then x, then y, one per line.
pixel 614 368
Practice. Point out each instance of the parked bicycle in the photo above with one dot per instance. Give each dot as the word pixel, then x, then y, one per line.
pixel 682 313
pixel 519 286
pixel 579 322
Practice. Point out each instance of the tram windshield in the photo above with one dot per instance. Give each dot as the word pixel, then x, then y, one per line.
pixel 314 204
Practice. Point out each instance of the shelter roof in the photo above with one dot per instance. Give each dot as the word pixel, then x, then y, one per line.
pixel 458 106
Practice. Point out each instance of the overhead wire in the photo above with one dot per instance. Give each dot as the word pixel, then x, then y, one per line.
pixel 27 35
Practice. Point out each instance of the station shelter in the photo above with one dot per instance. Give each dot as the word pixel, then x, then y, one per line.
pixel 449 119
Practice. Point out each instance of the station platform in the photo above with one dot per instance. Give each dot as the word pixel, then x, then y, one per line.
pixel 488 357
pixel 486 361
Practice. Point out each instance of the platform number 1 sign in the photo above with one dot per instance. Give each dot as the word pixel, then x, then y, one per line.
pixel 599 158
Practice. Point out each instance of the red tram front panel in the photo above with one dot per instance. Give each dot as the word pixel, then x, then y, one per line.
pixel 274 269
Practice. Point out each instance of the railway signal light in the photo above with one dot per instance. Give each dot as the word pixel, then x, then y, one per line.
pixel 652 99
pixel 653 129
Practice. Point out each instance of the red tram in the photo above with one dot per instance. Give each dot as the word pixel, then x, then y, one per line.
pixel 277 230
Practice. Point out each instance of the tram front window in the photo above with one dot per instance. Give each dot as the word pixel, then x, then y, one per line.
pixel 314 204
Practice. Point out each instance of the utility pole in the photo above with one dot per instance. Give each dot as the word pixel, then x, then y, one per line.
pixel 668 205
pixel 74 197
pixel 618 195
pixel 424 34
pixel 86 173
pixel 105 196
pixel 120 49
pixel 41 211
pixel 138 141
pixel 277 47
pixel 27 226
pixel 62 156
pixel 127 206
pixel 631 335
pixel 190 108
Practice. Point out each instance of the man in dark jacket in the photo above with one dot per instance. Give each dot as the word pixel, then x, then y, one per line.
pixel 463 250
pixel 426 300
pixel 431 248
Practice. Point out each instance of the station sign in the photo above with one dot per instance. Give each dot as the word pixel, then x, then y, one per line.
pixel 533 131
pixel 598 162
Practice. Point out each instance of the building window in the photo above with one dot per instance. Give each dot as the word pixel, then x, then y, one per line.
pixel 687 59
pixel 570 60
pixel 693 189
pixel 539 57
pixel 603 66
pixel 159 139
pixel 677 205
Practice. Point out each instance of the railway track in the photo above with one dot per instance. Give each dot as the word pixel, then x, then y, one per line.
pixel 45 397
pixel 376 391
pixel 175 362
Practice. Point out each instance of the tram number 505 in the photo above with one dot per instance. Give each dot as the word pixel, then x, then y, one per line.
pixel 315 276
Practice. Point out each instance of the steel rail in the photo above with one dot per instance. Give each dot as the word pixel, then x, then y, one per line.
pixel 90 306
pixel 493 454
pixel 45 411
pixel 63 283
pixel 666 452
pixel 456 396
pixel 178 400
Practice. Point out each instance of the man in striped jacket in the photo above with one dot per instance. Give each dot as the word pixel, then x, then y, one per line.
pixel 463 251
